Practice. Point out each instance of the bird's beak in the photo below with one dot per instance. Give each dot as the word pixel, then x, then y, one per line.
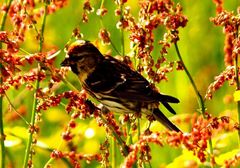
pixel 66 62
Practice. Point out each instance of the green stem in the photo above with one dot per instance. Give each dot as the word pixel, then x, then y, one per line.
pixel 102 25
pixel 237 79
pixel 48 162
pixel 3 22
pixel 112 44
pixel 114 153
pixel 69 85
pixel 199 96
pixel 114 47
pixel 122 31
pixel 237 88
pixel 138 128
pixel 102 2
pixel 33 114
pixel 238 108
pixel 35 101
pixel 2 135
pixel 129 135
pixel 13 107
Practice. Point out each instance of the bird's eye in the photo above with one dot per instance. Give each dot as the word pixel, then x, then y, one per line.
pixel 81 59
pixel 76 59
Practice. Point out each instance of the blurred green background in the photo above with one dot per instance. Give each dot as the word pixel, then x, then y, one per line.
pixel 201 45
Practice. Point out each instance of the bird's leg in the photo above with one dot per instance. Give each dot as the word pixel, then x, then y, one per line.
pixel 150 120
pixel 149 125
pixel 148 131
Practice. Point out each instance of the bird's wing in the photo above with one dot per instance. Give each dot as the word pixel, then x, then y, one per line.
pixel 104 79
pixel 114 78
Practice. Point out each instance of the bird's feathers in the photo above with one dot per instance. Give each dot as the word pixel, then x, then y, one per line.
pixel 115 84
pixel 159 116
pixel 117 79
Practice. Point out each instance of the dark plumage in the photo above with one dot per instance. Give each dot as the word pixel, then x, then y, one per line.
pixel 115 84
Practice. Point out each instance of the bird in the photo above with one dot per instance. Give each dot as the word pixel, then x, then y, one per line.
pixel 114 84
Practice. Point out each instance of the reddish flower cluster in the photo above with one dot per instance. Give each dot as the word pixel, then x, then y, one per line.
pixel 77 34
pixel 152 15
pixel 75 158
pixel 227 75
pixel 24 15
pixel 219 5
pixel 180 65
pixel 130 120
pixel 228 50
pixel 104 35
pixel 16 69
pixel 102 11
pixel 233 162
pixel 104 148
pixel 120 2
pixel 230 23
pixel 77 101
pixel 196 140
pixel 110 123
pixel 56 5
pixel 87 8
pixel 12 75
pixel 12 46
pixel 142 147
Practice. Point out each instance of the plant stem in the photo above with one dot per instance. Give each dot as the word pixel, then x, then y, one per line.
pixel 35 101
pixel 238 108
pixel 112 44
pixel 139 128
pixel 118 138
pixel 237 88
pixel 102 2
pixel 11 104
pixel 102 25
pixel 114 153
pixel 3 22
pixel 199 96
pixel 237 80
pixel 2 135
pixel 129 135
pixel 122 31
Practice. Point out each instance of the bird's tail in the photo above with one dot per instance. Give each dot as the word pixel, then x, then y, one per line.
pixel 159 116
pixel 167 98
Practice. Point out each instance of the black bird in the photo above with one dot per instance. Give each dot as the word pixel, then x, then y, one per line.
pixel 114 84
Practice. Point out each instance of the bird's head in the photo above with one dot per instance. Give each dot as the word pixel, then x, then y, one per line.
pixel 82 56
